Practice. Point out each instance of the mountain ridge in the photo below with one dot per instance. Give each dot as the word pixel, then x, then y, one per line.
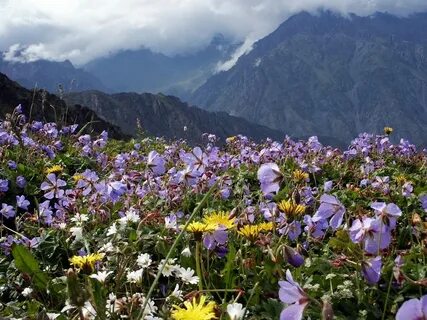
pixel 329 75
pixel 167 116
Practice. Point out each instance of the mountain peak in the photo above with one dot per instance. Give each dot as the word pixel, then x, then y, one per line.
pixel 330 75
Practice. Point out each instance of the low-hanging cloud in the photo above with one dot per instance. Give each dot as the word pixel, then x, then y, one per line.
pixel 81 30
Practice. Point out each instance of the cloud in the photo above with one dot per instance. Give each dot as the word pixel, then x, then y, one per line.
pixel 82 30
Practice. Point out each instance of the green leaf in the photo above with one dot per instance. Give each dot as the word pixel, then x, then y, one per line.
pixel 98 297
pixel 26 263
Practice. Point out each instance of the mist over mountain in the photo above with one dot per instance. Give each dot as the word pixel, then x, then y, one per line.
pixel 146 71
pixel 331 75
pixel 50 75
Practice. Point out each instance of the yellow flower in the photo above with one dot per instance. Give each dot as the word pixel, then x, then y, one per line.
pixel 86 263
pixel 200 227
pixel 265 226
pixel 299 175
pixel 400 179
pixel 230 139
pixel 78 177
pixel 250 232
pixel 54 169
pixel 220 218
pixel 388 130
pixel 195 310
pixel 290 208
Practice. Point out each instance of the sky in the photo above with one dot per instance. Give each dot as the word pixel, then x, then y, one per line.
pixel 82 30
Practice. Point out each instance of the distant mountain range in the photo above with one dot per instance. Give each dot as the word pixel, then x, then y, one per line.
pixel 55 77
pixel 146 71
pixel 166 116
pixel 331 75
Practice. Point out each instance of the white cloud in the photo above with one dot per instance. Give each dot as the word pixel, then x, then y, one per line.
pixel 81 30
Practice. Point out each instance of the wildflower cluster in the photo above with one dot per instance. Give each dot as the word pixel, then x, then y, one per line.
pixel 149 229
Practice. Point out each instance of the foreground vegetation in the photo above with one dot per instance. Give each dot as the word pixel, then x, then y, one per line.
pixel 145 229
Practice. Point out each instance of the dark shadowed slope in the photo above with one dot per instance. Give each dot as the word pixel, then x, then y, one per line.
pixel 48 107
pixel 167 116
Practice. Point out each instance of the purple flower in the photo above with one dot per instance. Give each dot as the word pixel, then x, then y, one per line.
pixel 197 159
pixel 330 207
pixel 21 182
pixel 381 184
pixel 292 294
pixel 45 212
pixel 53 187
pixel 423 200
pixel 293 257
pixel 88 181
pixel 413 309
pixel 156 163
pixel 388 213
pixel 4 185
pixel 327 186
pixel 315 229
pixel 270 177
pixel 12 165
pixel 22 203
pixel 294 230
pixel 7 211
pixel 217 238
pixel 372 232
pixel 33 243
pixel 407 189
pixel 371 270
pixel 116 189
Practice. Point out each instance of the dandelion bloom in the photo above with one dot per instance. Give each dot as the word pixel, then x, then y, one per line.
pixel 54 169
pixel 87 262
pixel 290 208
pixel 195 310
pixel 200 227
pixel 221 219
pixel 300 176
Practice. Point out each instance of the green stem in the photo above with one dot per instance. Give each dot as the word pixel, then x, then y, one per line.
pixel 175 243
pixel 388 293
pixel 198 269
pixel 250 298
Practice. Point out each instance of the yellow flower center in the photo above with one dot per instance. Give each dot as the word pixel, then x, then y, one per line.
pixel 290 208
pixel 86 263
pixel 54 169
pixel 220 219
pixel 195 310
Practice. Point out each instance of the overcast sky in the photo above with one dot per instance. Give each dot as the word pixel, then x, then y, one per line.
pixel 80 30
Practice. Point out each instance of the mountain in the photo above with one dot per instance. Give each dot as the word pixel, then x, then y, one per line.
pixel 48 107
pixel 146 71
pixel 166 116
pixel 49 75
pixel 331 76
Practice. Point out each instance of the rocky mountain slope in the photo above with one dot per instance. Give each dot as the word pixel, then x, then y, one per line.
pixel 161 115
pixel 332 76
pixel 48 107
